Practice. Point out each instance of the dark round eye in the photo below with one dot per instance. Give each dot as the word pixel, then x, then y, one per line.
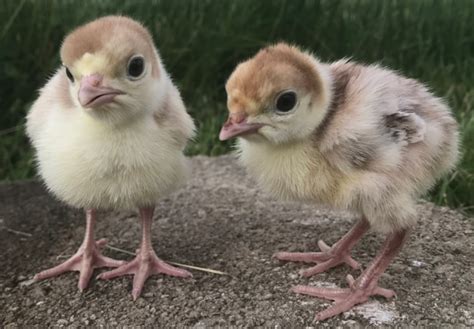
pixel 69 75
pixel 136 66
pixel 286 101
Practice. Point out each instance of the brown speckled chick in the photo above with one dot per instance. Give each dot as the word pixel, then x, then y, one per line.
pixel 355 137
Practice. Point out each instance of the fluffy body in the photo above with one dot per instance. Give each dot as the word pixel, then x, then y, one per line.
pixel 365 139
pixel 105 159
pixel 89 164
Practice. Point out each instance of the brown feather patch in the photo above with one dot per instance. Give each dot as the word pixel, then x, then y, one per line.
pixel 111 34
pixel 341 76
pixel 253 85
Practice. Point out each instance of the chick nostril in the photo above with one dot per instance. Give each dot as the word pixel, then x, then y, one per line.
pixel 237 117
pixel 94 79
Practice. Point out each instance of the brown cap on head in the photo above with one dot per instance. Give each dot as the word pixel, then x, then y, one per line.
pixel 270 71
pixel 119 36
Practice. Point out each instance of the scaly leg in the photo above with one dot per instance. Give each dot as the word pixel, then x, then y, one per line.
pixel 86 258
pixel 146 262
pixel 365 286
pixel 329 257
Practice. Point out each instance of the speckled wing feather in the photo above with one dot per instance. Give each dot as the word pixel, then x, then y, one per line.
pixel 373 116
pixel 405 128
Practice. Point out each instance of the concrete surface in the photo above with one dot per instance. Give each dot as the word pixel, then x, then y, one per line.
pixel 220 220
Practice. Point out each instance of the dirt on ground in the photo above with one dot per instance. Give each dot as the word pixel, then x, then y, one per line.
pixel 220 220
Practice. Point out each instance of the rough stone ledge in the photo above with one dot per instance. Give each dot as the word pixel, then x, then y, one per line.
pixel 220 220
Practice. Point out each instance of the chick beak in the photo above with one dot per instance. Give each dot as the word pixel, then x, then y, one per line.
pixel 93 94
pixel 237 125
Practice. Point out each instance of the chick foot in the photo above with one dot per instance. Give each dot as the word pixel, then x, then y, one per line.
pixel 361 289
pixel 329 257
pixel 146 263
pixel 344 298
pixel 85 260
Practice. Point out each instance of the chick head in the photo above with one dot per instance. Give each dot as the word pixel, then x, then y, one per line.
pixel 280 95
pixel 113 68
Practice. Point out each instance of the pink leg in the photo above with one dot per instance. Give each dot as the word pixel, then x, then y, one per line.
pixel 365 286
pixel 86 258
pixel 329 257
pixel 146 262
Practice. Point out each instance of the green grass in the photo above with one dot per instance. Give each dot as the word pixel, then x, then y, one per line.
pixel 201 42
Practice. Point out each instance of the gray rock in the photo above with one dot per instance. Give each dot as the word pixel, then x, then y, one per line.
pixel 221 220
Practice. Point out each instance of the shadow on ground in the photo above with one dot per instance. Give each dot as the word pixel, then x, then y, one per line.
pixel 220 220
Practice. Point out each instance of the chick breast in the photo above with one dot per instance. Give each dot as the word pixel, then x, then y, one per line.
pixel 91 165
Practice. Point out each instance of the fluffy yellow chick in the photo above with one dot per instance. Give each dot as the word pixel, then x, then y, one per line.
pixel 355 137
pixel 109 129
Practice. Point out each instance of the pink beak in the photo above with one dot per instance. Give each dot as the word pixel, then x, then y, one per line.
pixel 237 125
pixel 93 94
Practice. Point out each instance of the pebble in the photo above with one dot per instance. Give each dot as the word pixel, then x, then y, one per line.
pixel 267 296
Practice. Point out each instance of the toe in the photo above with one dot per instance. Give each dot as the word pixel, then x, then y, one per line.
pixel 85 276
pixel 323 246
pixel 307 257
pixel 109 262
pixel 335 309
pixel 387 293
pixel 127 268
pixel 70 265
pixel 351 262
pixel 320 268
pixel 139 281
pixel 320 292
pixel 163 267
pixel 101 243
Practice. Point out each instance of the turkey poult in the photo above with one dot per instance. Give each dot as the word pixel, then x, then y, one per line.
pixel 355 137
pixel 109 129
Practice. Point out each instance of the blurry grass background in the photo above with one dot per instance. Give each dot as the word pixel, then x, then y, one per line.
pixel 201 41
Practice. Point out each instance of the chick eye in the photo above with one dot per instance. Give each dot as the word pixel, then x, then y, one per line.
pixel 135 67
pixel 69 75
pixel 286 101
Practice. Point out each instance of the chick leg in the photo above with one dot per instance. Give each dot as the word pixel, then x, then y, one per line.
pixel 365 286
pixel 146 262
pixel 329 257
pixel 86 258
